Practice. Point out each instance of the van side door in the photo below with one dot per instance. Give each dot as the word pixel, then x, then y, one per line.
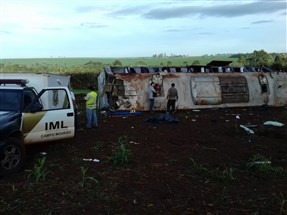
pixel 49 117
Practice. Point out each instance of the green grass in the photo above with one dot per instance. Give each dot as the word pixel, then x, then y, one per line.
pixel 80 91
pixel 84 178
pixel 283 204
pixel 99 147
pixel 225 175
pixel 137 61
pixel 122 153
pixel 261 167
pixel 39 172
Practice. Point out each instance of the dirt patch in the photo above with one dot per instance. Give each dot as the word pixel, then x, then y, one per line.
pixel 202 164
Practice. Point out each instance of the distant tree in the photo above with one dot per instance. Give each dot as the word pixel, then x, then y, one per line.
pixel 141 63
pixel 260 58
pixel 185 63
pixel 236 55
pixel 92 63
pixel 242 60
pixel 195 62
pixel 280 62
pixel 169 63
pixel 117 63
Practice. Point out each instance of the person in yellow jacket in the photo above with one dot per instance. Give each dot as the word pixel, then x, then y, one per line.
pixel 91 108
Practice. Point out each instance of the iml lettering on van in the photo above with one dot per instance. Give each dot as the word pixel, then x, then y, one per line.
pixel 54 125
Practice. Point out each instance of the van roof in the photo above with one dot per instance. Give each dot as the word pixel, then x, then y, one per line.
pixel 19 82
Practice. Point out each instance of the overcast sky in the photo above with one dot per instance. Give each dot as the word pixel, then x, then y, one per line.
pixel 139 28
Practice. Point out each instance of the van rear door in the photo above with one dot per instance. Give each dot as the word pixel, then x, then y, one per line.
pixel 49 117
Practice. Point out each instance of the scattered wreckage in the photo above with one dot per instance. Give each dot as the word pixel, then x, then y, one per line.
pixel 216 85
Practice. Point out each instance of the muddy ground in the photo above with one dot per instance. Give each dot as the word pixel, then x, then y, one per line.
pixel 202 164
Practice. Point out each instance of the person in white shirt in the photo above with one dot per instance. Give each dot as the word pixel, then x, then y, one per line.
pixel 151 95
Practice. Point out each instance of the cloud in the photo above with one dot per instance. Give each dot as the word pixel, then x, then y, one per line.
pixel 206 33
pixel 5 32
pixel 261 22
pixel 245 28
pixel 224 10
pixel 126 28
pixel 85 9
pixel 173 30
pixel 136 10
pixel 92 25
pixel 51 28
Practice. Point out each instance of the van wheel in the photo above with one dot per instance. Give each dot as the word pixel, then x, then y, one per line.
pixel 12 157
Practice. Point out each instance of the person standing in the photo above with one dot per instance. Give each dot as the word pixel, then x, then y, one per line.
pixel 91 108
pixel 172 97
pixel 151 95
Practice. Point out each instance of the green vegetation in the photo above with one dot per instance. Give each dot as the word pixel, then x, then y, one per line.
pixel 122 153
pixel 84 71
pixel 85 178
pixel 95 65
pixel 39 172
pixel 261 167
pixel 283 204
pixel 63 64
pixel 219 175
pixel 223 175
pixel 276 61
pixel 97 148
pixel 81 91
pixel 14 189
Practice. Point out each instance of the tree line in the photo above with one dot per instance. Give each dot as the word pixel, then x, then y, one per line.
pixel 275 61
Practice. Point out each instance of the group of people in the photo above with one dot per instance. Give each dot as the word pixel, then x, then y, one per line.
pixel 172 97
pixel 91 104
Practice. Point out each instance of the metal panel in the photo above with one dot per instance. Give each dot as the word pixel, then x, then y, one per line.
pixel 205 90
pixel 234 89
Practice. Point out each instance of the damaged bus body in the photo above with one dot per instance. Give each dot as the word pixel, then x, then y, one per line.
pixel 215 85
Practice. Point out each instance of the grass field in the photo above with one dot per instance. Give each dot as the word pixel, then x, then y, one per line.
pixel 140 61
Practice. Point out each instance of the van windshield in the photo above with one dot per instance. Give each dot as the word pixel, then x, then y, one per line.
pixel 10 100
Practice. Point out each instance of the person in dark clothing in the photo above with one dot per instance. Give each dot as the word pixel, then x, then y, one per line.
pixel 172 97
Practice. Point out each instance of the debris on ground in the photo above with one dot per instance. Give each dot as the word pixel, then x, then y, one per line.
pixel 248 130
pixel 250 126
pixel 273 123
pixel 91 160
pixel 133 142
pixel 163 118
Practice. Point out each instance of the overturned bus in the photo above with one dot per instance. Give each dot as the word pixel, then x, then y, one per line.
pixel 215 85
